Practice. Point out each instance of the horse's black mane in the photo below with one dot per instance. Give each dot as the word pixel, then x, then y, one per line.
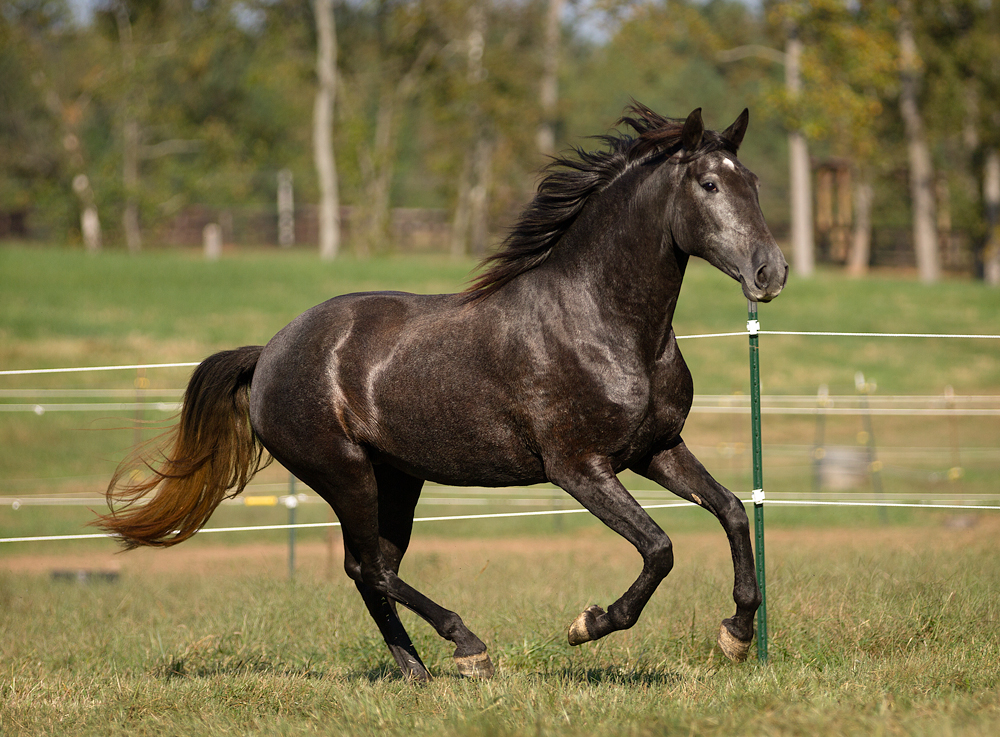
pixel 569 182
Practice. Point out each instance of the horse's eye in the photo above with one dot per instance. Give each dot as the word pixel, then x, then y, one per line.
pixel 709 187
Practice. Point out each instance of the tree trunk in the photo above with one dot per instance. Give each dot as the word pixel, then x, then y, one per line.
pixel 90 221
pixel 548 96
pixel 861 238
pixel 803 245
pixel 131 135
pixel 925 241
pixel 469 205
pixel 478 197
pixel 378 165
pixel 459 236
pixel 326 169
pixel 991 203
pixel 130 178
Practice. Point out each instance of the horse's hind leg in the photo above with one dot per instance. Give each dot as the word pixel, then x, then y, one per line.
pixel 398 495
pixel 383 611
pixel 678 470
pixel 357 498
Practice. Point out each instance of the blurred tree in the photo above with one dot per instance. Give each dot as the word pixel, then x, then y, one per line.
pixel 406 39
pixel 326 73
pixel 439 104
pixel 847 68
pixel 469 222
pixel 925 240
pixel 31 152
pixel 548 88
pixel 960 41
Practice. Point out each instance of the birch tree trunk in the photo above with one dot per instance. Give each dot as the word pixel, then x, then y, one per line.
pixel 326 170
pixel 90 221
pixel 803 242
pixel 548 96
pixel 478 197
pixel 925 241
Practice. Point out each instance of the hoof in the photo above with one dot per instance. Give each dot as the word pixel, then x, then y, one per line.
pixel 735 650
pixel 475 666
pixel 582 629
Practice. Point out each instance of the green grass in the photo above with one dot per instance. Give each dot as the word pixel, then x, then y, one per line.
pixel 875 628
pixel 888 635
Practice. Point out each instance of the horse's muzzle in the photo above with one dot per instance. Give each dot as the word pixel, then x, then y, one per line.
pixel 769 279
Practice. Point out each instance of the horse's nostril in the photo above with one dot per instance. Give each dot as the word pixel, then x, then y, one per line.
pixel 761 279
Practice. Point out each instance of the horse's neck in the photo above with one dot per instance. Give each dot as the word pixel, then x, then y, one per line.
pixel 619 273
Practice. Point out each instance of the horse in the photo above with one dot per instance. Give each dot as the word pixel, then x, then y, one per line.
pixel 558 363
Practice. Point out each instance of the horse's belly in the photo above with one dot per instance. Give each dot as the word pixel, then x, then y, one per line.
pixel 465 452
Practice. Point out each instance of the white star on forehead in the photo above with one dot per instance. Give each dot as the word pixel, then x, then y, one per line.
pixel 729 163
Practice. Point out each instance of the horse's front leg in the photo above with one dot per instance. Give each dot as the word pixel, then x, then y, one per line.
pixel 593 483
pixel 678 470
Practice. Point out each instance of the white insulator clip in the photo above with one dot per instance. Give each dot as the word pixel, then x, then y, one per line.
pixel 758 496
pixel 753 327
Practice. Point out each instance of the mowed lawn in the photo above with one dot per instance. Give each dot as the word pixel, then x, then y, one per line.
pixel 875 628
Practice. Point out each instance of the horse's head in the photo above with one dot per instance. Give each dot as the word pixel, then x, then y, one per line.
pixel 716 212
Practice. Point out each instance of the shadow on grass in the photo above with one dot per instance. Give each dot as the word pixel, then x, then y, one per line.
pixel 180 668
pixel 183 668
pixel 615 676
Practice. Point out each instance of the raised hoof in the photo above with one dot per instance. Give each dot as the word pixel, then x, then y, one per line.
pixel 582 630
pixel 734 649
pixel 475 666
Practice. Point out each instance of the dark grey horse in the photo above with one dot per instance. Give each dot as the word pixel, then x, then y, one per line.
pixel 559 364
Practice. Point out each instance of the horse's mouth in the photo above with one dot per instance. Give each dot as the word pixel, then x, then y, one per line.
pixel 756 294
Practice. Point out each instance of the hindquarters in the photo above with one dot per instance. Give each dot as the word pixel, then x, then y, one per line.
pixel 316 405
pixel 421 383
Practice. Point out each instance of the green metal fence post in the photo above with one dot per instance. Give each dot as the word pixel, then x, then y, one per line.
pixel 291 503
pixel 753 328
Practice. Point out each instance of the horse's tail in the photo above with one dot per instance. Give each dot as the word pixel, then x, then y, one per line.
pixel 213 453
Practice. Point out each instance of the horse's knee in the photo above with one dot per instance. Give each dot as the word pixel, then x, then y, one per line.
pixel 734 515
pixel 660 559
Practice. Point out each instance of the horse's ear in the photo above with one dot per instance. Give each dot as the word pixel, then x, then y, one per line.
pixel 692 132
pixel 734 133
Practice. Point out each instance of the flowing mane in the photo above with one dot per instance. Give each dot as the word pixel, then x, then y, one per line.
pixel 568 183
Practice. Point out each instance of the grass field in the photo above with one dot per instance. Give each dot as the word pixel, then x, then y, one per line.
pixel 891 634
pixel 877 628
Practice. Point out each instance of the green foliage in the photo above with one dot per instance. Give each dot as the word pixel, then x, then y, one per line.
pixel 222 92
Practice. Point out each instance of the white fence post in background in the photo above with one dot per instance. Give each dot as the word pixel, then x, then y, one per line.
pixel 286 209
pixel 212 239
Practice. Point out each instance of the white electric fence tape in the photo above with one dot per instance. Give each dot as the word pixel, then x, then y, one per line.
pixel 753 328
